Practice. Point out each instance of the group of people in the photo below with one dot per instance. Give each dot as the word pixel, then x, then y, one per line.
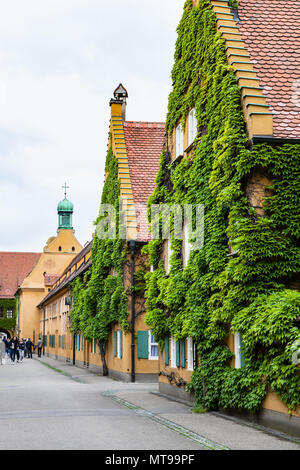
pixel 17 349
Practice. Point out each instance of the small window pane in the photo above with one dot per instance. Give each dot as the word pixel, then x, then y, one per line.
pixel 9 313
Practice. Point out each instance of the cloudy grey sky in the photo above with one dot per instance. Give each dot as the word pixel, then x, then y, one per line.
pixel 60 61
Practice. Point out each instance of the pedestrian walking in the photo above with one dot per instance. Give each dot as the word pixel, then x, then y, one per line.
pixel 13 344
pixel 39 345
pixel 2 350
pixel 29 346
pixel 21 349
pixel 25 350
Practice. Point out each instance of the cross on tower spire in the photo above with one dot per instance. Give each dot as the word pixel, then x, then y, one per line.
pixel 65 187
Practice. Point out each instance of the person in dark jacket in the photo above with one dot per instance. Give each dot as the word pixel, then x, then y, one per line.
pixel 29 346
pixel 39 345
pixel 21 349
pixel 13 346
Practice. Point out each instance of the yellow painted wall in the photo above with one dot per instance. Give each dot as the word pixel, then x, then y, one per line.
pixel 33 289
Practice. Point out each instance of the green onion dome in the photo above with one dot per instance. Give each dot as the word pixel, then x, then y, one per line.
pixel 65 206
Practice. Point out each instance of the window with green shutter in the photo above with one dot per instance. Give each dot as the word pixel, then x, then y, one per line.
pixel 115 343
pixel 167 351
pixel 182 353
pixel 143 345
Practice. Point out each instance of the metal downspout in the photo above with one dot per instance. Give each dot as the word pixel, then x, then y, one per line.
pixel 132 245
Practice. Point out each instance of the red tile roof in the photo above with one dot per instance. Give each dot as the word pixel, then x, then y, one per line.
pixel 14 267
pixel 144 144
pixel 271 31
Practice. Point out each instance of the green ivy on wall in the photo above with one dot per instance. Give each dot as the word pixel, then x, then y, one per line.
pixel 8 323
pixel 99 298
pixel 217 294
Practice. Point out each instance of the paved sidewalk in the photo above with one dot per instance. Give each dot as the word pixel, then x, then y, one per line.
pixel 48 404
pixel 227 433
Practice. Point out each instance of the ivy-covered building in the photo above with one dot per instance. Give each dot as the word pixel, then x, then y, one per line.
pixel 14 267
pixel 106 330
pixel 227 315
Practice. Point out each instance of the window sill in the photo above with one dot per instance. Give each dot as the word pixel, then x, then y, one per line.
pixel 189 148
pixel 177 159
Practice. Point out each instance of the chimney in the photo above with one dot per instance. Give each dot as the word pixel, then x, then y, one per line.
pixel 120 95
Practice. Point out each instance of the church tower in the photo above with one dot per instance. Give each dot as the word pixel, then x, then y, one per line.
pixel 58 253
pixel 65 211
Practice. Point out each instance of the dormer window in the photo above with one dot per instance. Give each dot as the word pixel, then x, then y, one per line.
pixel 179 140
pixel 192 126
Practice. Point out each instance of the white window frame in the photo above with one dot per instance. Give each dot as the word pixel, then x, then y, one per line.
pixel 237 350
pixel 187 245
pixel 179 140
pixel 119 333
pixel 192 126
pixel 190 354
pixel 150 343
pixel 173 353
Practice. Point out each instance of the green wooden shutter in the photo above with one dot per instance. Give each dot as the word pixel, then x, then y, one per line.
pixel 115 343
pixel 177 354
pixel 143 346
pixel 182 353
pixel 167 351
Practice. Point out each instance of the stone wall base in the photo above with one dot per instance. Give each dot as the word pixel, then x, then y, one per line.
pixel 178 393
pixel 272 419
pixel 268 418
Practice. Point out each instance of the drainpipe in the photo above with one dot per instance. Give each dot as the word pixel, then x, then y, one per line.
pixel 132 245
pixel 44 330
pixel 74 344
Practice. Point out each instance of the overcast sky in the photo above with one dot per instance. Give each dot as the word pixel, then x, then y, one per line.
pixel 60 61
